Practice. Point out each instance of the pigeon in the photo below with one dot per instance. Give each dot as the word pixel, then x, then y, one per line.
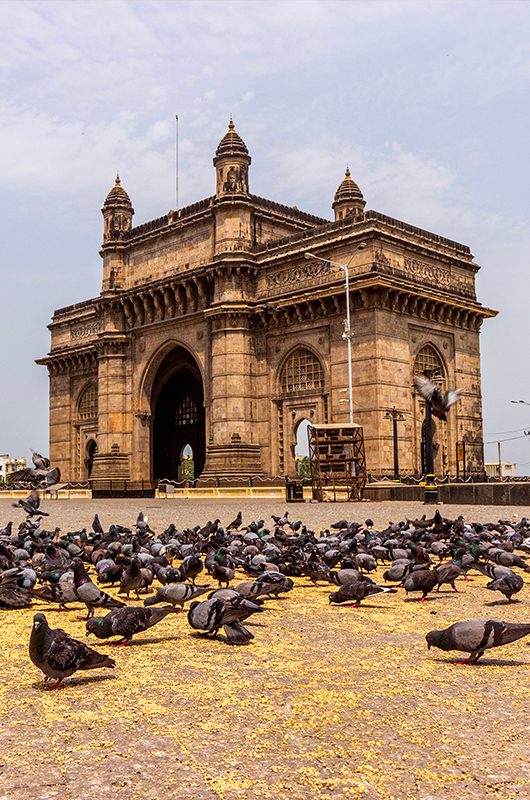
pixel 175 593
pixel 31 505
pixel 57 655
pixel 475 636
pixel 89 594
pixel 448 573
pixel 125 622
pixel 440 403
pixel 36 476
pixel 62 592
pixel 132 579
pixel 191 567
pixel 421 580
pixel 216 613
pixel 504 580
pixel 236 523
pixel 357 591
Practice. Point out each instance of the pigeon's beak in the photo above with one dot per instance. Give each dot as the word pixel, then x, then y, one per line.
pixel 429 645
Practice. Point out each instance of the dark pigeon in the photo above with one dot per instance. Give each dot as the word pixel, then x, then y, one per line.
pixel 57 655
pixel 356 591
pixel 125 622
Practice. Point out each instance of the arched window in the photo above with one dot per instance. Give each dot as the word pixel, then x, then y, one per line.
pixel 429 360
pixel 87 407
pixel 302 372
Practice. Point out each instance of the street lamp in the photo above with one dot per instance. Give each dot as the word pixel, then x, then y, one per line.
pixel 520 401
pixel 348 333
pixel 396 416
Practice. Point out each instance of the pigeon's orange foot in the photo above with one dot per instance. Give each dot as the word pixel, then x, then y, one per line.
pixel 57 685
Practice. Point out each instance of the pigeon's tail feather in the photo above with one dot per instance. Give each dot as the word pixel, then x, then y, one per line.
pixel 236 633
pixel 97 660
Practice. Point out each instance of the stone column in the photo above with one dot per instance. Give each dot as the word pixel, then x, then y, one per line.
pixel 232 449
pixel 114 417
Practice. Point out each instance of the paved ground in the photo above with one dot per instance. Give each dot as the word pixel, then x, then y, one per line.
pixel 326 702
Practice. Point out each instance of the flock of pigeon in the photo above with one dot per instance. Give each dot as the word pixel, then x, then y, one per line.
pixel 421 556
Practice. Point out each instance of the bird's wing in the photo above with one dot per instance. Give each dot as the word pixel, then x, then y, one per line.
pixel 451 397
pixel 41 462
pixel 425 387
pixel 64 653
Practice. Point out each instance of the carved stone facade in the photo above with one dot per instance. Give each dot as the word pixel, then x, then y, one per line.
pixel 213 330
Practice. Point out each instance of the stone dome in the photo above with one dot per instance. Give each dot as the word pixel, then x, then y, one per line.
pixel 231 143
pixel 117 196
pixel 348 190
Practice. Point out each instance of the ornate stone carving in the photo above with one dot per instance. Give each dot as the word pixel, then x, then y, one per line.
pixel 305 272
pixel 87 329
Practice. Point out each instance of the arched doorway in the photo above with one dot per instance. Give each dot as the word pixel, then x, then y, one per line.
pixel 91 448
pixel 429 361
pixel 302 396
pixel 178 416
pixel 301 449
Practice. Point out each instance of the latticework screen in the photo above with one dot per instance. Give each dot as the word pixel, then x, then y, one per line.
pixel 88 404
pixel 186 412
pixel 428 359
pixel 302 372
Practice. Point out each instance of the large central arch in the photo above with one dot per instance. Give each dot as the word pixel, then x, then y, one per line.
pixel 177 408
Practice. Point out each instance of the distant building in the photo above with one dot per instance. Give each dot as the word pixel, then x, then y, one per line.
pixel 507 469
pixel 9 465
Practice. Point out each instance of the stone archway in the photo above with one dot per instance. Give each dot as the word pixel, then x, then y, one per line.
pixel 178 417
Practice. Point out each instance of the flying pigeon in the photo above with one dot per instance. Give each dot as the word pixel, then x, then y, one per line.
pixel 56 654
pixel 440 403
pixel 475 636
pixel 31 505
pixel 125 622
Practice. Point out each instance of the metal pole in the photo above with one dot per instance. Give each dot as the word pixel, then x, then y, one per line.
pixel 500 459
pixel 431 490
pixel 177 161
pixel 464 457
pixel 396 452
pixel 457 461
pixel 348 338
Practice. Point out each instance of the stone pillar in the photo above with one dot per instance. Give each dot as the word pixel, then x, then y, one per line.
pixel 114 423
pixel 232 449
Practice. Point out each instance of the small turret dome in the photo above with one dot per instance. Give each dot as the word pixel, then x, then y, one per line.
pixel 348 200
pixel 231 143
pixel 117 196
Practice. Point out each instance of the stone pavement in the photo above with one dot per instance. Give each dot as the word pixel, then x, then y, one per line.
pixel 326 703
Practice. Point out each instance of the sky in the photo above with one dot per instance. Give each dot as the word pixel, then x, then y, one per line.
pixel 428 103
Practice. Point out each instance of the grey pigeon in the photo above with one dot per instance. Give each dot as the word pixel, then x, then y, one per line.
pixel 475 636
pixel 56 654
pixel 212 615
pixel 125 622
pixel 175 593
pixel 89 594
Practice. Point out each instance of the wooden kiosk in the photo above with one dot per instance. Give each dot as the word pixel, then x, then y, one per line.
pixel 338 462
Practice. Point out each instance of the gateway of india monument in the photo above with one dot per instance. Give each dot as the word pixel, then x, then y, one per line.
pixel 214 330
